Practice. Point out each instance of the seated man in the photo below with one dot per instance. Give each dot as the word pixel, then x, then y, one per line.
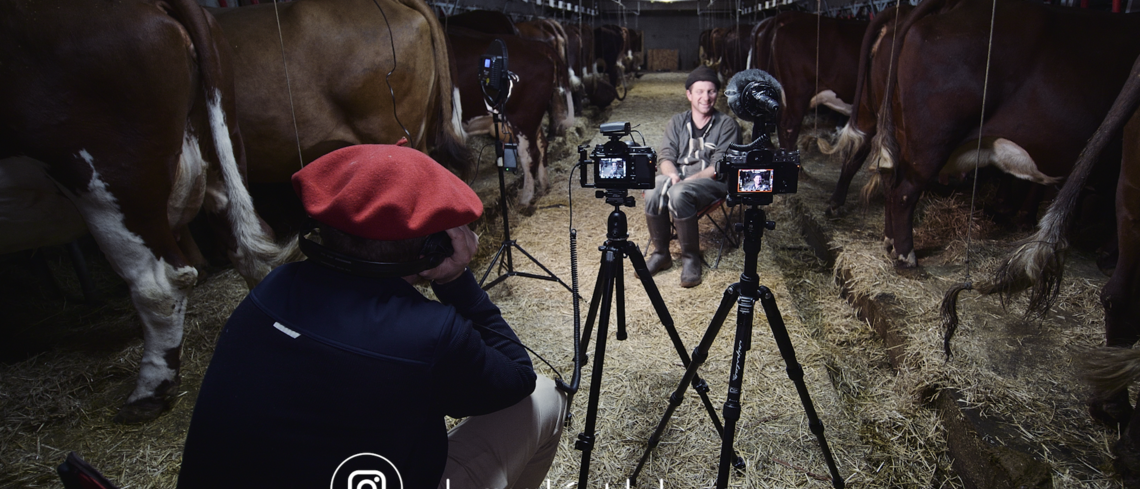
pixel 339 356
pixel 694 140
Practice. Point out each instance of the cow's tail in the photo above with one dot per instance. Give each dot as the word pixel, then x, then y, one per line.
pixel 1110 369
pixel 562 104
pixel 850 137
pixel 884 145
pixel 758 55
pixel 1039 261
pixel 450 144
pixel 846 142
pixel 256 254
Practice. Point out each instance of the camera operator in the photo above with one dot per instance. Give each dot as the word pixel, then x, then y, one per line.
pixel 322 362
pixel 694 140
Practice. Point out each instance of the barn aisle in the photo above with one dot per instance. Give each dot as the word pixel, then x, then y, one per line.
pixel 641 372
pixel 875 371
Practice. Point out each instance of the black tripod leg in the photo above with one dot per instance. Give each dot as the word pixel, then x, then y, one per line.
pixel 700 354
pixel 741 345
pixel 699 384
pixel 494 260
pixel 796 373
pixel 619 280
pixel 585 441
pixel 593 312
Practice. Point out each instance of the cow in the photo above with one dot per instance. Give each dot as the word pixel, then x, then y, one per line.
pixel 1050 84
pixel 853 143
pixel 547 31
pixel 487 21
pixel 791 50
pixel 729 49
pixel 1039 263
pixel 542 31
pixel 587 83
pixel 580 61
pixel 130 107
pixel 636 51
pixel 610 46
pixel 384 76
pixel 552 34
pixel 532 96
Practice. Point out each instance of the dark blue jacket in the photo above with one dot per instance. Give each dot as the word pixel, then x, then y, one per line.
pixel 315 366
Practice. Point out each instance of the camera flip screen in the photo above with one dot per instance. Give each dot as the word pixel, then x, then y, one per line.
pixel 611 168
pixel 755 180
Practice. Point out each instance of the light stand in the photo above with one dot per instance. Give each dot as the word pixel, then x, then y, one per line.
pixel 499 81
pixel 610 285
pixel 745 293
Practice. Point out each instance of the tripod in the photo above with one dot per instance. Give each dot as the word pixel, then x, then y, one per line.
pixel 508 243
pixel 745 293
pixel 611 281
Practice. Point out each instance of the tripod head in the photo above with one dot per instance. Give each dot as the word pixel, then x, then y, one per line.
pixel 616 228
pixel 616 197
pixel 755 222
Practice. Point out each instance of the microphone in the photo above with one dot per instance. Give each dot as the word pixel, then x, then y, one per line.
pixel 754 95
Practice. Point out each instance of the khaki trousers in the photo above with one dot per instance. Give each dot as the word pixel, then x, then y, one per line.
pixel 509 448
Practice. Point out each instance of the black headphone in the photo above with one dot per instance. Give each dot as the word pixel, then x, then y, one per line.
pixel 436 248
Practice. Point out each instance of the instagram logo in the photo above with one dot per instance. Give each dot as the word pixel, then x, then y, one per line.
pixel 366 471
pixel 367 479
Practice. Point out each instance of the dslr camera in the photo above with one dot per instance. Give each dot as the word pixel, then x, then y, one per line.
pixel 757 171
pixel 754 175
pixel 618 164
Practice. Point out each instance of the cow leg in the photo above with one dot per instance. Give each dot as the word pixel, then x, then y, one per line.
pixel 1121 310
pixel 159 278
pixel 850 168
pixel 530 159
pixel 793 118
pixel 904 198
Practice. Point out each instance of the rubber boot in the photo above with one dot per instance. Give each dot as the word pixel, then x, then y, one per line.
pixel 689 236
pixel 659 235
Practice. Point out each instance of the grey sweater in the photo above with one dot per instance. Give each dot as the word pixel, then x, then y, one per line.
pixel 692 154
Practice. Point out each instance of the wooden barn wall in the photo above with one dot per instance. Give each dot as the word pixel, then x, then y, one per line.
pixel 678 30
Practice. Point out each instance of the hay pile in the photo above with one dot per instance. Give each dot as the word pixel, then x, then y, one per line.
pixel 877 424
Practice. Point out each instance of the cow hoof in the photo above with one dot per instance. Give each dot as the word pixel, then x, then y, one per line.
pixel 1111 412
pixel 1127 462
pixel 907 261
pixel 141 411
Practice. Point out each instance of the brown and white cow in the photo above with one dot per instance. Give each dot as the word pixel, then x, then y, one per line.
pixel 609 47
pixel 730 47
pixel 1051 81
pixel 383 76
pixel 1040 263
pixel 130 104
pixel 532 96
pixel 552 34
pixel 854 141
pixel 787 48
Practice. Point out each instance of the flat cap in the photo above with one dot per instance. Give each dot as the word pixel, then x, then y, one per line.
pixel 702 73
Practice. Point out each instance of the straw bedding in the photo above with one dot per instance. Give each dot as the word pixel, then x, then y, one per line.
pixel 67 366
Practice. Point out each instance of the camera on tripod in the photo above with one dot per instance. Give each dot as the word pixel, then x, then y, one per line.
pixel 618 164
pixel 495 81
pixel 757 171
pixel 755 175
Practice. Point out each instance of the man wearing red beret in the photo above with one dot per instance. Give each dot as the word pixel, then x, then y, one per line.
pixel 337 370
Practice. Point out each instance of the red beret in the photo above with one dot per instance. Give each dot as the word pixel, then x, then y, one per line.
pixel 385 192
